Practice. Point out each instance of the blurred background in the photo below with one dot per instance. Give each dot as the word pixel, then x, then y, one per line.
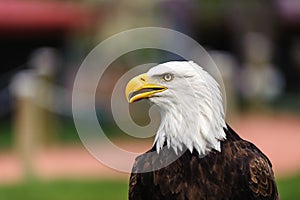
pixel 256 45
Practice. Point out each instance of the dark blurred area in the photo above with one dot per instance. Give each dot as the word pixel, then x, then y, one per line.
pixel 26 26
pixel 258 36
pixel 255 44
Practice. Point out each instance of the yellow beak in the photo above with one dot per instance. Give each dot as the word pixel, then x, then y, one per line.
pixel 140 88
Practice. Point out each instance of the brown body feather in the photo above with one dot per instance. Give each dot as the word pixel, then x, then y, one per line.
pixel 239 171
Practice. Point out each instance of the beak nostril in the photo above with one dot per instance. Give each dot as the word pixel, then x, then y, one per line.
pixel 143 79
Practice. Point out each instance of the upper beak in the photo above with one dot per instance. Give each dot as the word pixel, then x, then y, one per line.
pixel 140 88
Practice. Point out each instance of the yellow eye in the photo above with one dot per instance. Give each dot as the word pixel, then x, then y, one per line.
pixel 168 77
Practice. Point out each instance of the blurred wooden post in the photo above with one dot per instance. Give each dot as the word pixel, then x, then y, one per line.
pixel 25 120
pixel 33 122
pixel 44 61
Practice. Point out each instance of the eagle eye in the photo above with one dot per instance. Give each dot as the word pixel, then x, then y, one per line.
pixel 168 77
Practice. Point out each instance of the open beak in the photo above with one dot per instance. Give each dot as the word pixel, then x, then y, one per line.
pixel 139 88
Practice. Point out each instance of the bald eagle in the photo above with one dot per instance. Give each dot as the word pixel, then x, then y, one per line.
pixel 212 161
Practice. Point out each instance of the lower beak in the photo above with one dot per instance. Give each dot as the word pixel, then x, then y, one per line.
pixel 139 88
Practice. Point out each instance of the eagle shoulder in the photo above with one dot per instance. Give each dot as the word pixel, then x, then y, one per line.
pixel 262 181
pixel 257 170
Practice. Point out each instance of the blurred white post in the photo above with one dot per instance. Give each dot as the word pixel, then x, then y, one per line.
pixel 260 81
pixel 33 122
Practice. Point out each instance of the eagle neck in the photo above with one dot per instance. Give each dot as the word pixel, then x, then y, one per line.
pixel 185 126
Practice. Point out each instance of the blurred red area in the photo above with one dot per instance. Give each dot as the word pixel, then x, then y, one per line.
pixel 40 15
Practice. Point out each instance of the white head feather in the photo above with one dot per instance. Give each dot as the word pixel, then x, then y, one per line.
pixel 192 112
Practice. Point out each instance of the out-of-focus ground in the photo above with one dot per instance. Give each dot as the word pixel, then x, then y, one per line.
pixel 276 135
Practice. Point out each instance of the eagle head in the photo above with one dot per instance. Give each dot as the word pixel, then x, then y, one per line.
pixel 190 103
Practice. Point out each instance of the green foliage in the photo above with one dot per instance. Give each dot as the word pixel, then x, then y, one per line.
pixel 103 190
pixel 66 190
pixel 289 188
